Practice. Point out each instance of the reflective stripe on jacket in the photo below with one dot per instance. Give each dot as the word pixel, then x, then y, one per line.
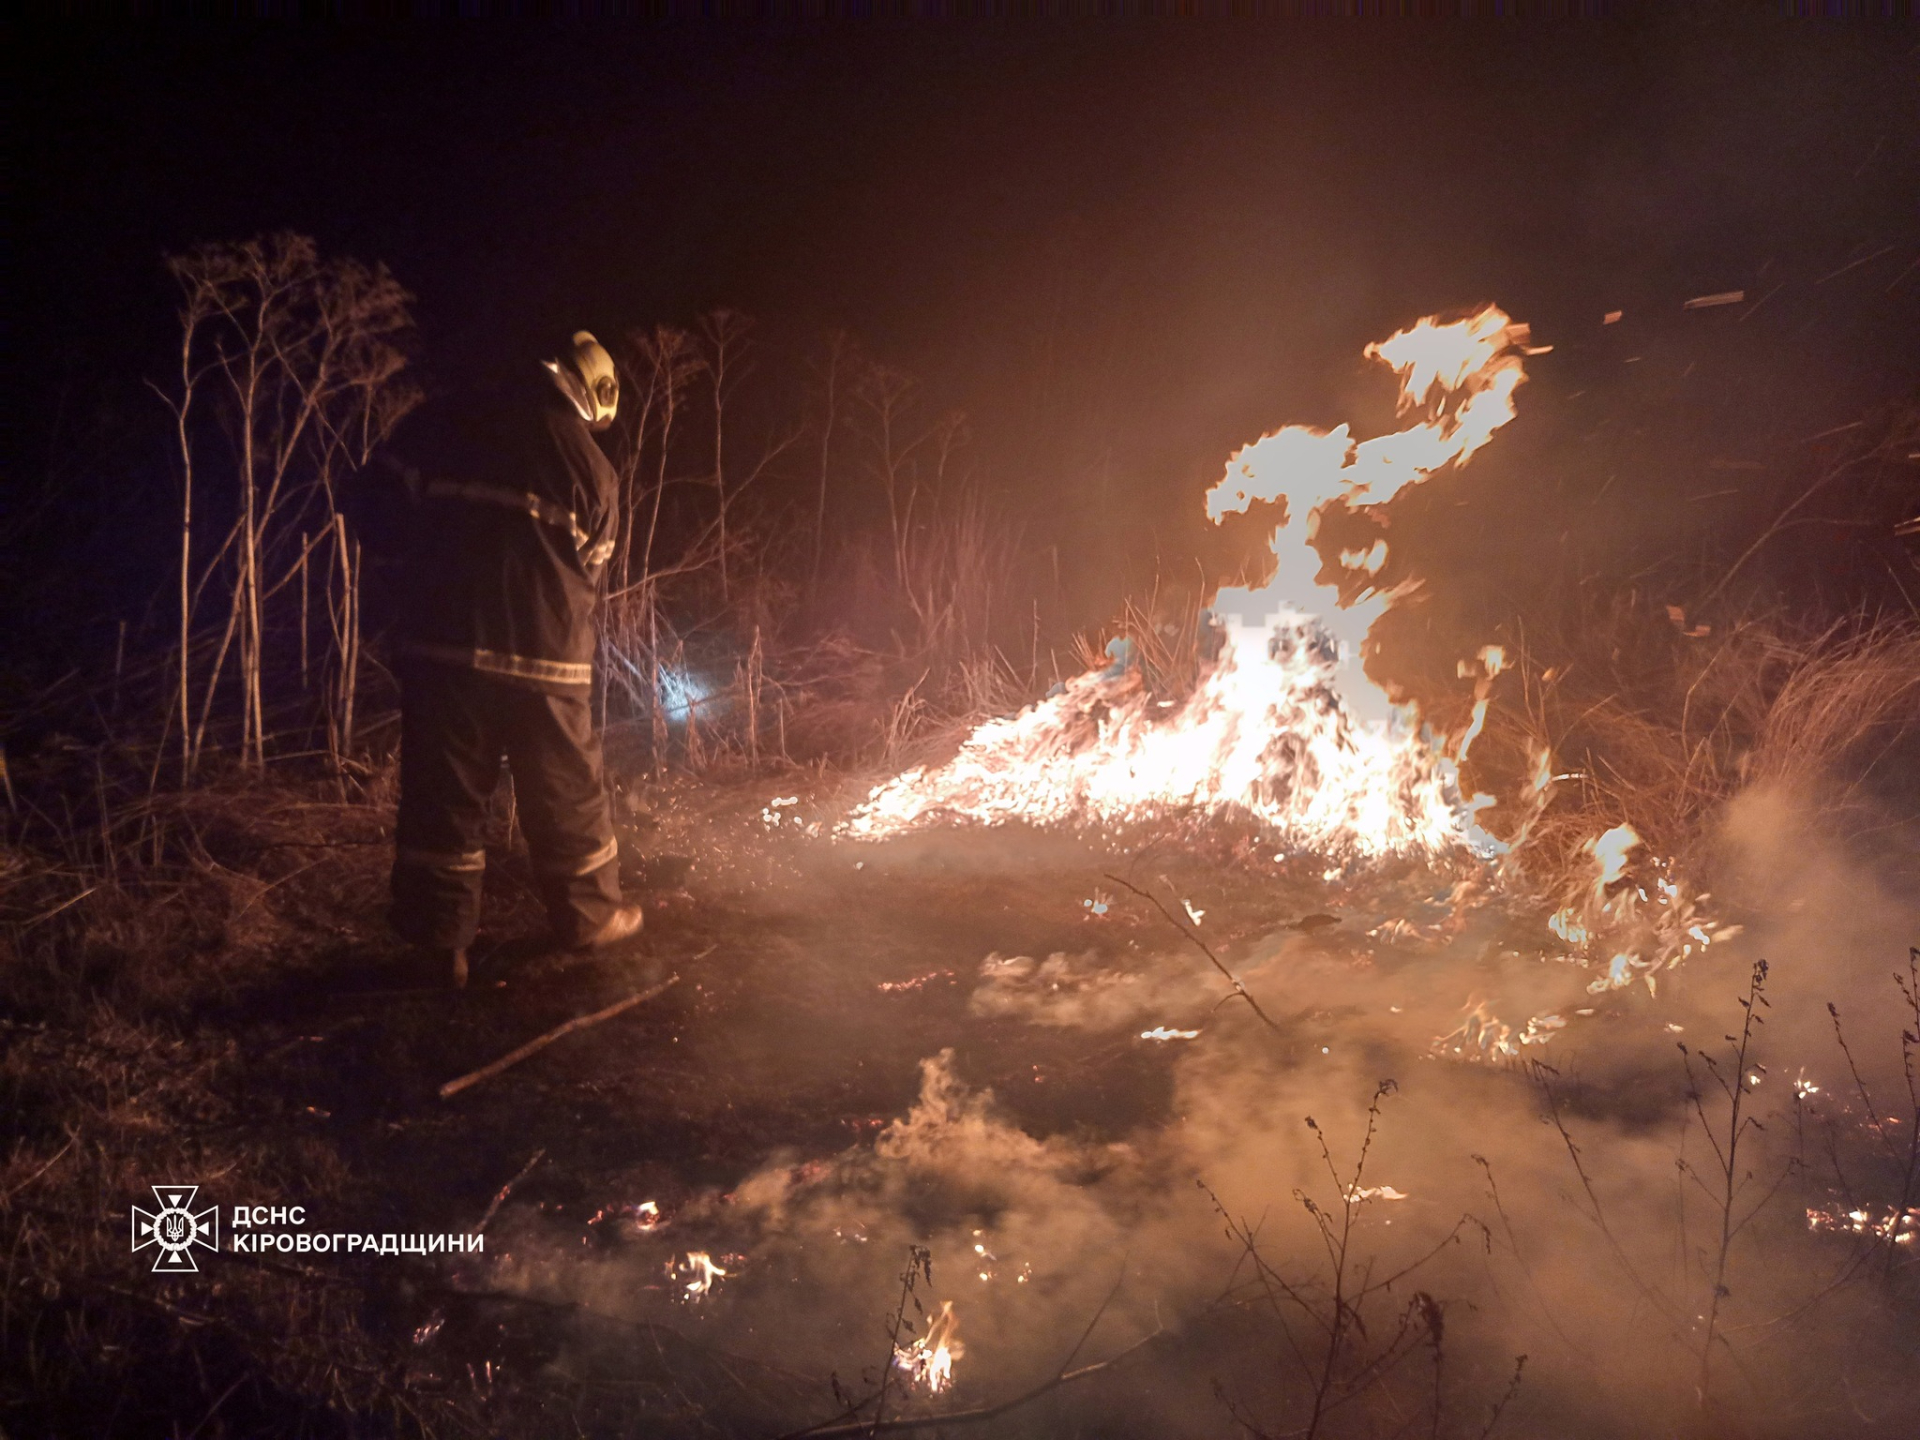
pixel 517 514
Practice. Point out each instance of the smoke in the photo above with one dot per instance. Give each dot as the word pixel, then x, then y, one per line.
pixel 1565 1206
pixel 1081 992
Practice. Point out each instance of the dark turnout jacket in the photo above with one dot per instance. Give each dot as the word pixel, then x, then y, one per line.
pixel 515 516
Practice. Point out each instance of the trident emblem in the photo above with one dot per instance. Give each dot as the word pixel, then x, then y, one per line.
pixel 176 1229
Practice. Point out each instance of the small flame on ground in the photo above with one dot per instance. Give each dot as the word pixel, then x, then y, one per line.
pixel 1895 1224
pixel 771 813
pixel 1635 914
pixel 889 987
pixel 928 1361
pixel 1612 850
pixel 1567 926
pixel 645 1216
pixel 1161 1032
pixel 1375 1192
pixel 1483 1035
pixel 698 1274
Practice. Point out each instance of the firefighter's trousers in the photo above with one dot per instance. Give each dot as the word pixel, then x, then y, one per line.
pixel 456 726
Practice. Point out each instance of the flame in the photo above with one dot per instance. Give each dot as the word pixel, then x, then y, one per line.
pixel 1899 1226
pixel 929 1359
pixel 1612 850
pixel 1474 726
pixel 1483 1035
pixel 1357 1193
pixel 1493 659
pixel 1265 735
pixel 1369 560
pixel 1633 915
pixel 1284 726
pixel 699 1274
pixel 1568 927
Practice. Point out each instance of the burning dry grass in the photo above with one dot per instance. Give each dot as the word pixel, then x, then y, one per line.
pixel 1661 732
pixel 1431 1239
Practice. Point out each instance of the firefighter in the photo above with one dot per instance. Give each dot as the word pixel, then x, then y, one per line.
pixel 517 513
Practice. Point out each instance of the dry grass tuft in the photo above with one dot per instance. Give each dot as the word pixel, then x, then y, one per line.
pixel 1845 707
pixel 1648 726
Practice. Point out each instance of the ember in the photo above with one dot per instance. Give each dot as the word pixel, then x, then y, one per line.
pixel 1892 1223
pixel 890 987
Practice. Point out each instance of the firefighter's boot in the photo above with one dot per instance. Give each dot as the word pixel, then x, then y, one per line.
pixel 623 924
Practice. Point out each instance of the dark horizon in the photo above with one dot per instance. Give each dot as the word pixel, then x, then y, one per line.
pixel 1123 250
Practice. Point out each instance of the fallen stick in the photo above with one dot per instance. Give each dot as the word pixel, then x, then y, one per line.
pixel 507 1189
pixel 539 1043
pixel 1232 979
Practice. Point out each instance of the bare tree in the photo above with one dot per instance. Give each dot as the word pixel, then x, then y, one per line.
pixel 835 358
pixel 725 332
pixel 200 303
pixel 298 360
pixel 942 571
pixel 660 367
pixel 886 397
pixel 672 362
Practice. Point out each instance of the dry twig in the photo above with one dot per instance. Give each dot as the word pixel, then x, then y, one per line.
pixel 1726 1156
pixel 1232 979
pixel 536 1045
pixel 500 1196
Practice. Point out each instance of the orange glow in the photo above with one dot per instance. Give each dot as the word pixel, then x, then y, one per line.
pixel 1284 727
pixel 929 1360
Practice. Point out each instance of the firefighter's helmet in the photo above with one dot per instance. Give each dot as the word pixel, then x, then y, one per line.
pixel 589 379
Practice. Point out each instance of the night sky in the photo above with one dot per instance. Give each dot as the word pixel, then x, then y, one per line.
pixel 1124 249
